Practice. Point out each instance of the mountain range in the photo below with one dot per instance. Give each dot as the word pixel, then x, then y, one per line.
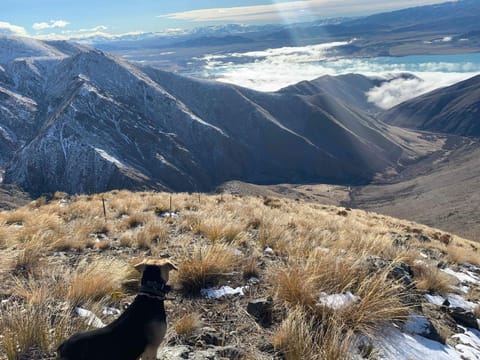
pixel 78 120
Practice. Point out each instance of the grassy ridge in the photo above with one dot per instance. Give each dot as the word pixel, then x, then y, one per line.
pixel 63 253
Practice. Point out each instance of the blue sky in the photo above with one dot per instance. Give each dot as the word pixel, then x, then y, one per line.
pixel 56 19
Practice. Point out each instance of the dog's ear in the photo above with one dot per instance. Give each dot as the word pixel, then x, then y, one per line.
pixel 171 266
pixel 140 266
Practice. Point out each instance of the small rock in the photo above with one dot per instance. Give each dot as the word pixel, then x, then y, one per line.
pixel 464 317
pixel 403 273
pixel 422 238
pixel 209 336
pixel 261 310
pixel 230 352
pixel 264 345
pixel 174 352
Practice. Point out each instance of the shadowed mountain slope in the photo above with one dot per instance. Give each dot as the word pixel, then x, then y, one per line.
pixel 79 120
pixel 454 110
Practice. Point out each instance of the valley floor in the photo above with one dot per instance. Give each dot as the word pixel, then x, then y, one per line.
pixel 439 191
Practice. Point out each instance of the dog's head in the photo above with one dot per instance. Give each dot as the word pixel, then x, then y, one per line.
pixel 155 270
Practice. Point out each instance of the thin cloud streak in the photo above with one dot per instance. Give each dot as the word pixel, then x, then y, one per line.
pixel 294 11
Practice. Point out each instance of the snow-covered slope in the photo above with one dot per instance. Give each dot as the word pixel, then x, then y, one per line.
pixel 79 120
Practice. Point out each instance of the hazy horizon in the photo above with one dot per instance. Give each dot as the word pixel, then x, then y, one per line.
pixel 52 19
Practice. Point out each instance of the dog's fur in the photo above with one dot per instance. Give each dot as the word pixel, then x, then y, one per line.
pixel 137 332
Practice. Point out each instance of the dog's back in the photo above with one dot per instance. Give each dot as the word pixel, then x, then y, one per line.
pixel 138 331
pixel 125 338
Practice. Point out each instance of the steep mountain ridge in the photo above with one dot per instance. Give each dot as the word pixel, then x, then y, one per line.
pixel 89 122
pixel 453 110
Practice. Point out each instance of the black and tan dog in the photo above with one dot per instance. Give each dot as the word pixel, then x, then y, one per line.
pixel 138 332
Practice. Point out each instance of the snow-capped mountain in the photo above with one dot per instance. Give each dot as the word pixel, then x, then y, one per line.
pixel 75 119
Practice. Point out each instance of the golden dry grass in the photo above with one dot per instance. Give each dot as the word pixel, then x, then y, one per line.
pixel 205 266
pixel 476 311
pixel 188 324
pixel 95 281
pixel 34 327
pixel 430 279
pixel 301 336
pixel 462 253
pixel 63 251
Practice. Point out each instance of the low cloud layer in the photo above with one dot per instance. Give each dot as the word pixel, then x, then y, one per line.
pixel 293 10
pixel 10 29
pixel 399 90
pixel 273 69
pixel 53 24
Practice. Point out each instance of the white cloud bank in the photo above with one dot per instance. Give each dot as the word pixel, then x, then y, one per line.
pixel 273 69
pixel 9 29
pixel 399 90
pixel 294 10
pixel 53 24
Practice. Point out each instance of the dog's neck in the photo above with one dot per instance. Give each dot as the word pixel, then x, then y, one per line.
pixel 154 289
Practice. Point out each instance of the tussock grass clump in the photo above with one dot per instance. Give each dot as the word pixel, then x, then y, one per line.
pixel 296 286
pixel 136 219
pixel 188 324
pixel 16 217
pixel 430 279
pixel 205 266
pixel 476 311
pixel 380 303
pixel 146 237
pixel 32 329
pixel 467 253
pixel 28 259
pixel 31 290
pixel 301 336
pixel 218 229
pixel 274 234
pixel 24 328
pixel 296 337
pixel 95 281
pixel 379 299
pixel 250 268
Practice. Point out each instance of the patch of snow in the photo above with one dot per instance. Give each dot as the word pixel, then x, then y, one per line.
pixel 110 311
pixel 470 344
pixel 424 255
pixel 223 291
pixel 462 276
pixel 253 280
pixel 268 250
pixel 417 324
pixel 166 214
pixel 110 158
pixel 93 320
pixel 394 344
pixel 435 299
pixel 458 301
pixel 23 100
pixel 337 301
pixel 454 300
pixel 237 252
